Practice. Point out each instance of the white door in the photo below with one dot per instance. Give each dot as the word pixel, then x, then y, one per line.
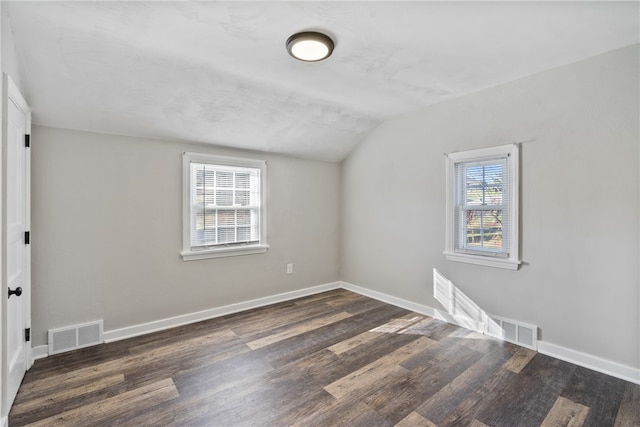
pixel 16 248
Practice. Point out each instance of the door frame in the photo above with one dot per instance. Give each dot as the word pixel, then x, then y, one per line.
pixel 11 94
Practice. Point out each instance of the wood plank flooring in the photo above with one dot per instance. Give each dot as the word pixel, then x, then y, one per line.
pixel 332 359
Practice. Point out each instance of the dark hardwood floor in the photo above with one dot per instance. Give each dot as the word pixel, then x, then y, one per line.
pixel 335 358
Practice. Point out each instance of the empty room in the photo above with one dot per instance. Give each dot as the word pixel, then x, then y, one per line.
pixel 368 213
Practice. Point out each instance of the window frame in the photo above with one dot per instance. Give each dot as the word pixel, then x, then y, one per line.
pixel 485 257
pixel 188 252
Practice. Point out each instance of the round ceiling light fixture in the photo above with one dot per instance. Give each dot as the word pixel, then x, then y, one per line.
pixel 310 46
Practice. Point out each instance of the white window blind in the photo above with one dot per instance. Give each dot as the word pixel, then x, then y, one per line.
pixel 225 205
pixel 482 207
pixel 224 211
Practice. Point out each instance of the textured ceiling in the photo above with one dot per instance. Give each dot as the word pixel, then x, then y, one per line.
pixel 219 73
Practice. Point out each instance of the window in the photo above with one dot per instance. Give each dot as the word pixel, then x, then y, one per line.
pixel 224 206
pixel 482 207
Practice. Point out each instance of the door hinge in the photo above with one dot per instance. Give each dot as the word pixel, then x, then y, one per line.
pixel 27 334
pixel 27 237
pixel 27 140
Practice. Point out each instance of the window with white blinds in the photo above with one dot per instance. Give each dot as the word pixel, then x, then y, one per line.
pixel 224 212
pixel 482 206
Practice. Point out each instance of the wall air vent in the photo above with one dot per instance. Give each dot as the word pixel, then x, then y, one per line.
pixel 74 337
pixel 518 333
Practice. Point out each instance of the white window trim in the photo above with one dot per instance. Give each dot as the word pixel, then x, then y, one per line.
pixel 513 261
pixel 187 253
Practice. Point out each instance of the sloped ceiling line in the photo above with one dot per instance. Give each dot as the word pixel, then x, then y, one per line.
pixel 218 72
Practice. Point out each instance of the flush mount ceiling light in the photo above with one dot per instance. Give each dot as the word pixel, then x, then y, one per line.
pixel 310 46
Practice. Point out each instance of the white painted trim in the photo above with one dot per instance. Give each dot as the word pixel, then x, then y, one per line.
pixel 589 361
pixel 572 356
pixel 11 95
pixel 399 302
pixel 506 263
pixel 39 352
pixel 261 247
pixel 185 319
pixel 513 152
pixel 224 252
pixel 418 308
pixel 3 421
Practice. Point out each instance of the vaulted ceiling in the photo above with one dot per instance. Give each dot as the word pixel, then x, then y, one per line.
pixel 219 73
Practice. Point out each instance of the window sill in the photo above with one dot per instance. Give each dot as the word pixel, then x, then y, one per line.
pixel 506 263
pixel 223 252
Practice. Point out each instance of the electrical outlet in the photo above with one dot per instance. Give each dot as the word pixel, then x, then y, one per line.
pixel 289 268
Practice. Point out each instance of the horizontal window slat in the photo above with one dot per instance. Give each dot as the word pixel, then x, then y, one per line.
pixel 224 206
pixel 483 207
pixel 224 245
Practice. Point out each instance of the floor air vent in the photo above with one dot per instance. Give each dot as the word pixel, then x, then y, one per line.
pixel 516 332
pixel 74 337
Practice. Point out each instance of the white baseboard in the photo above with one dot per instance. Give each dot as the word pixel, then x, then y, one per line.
pixel 589 361
pixel 39 352
pixel 418 308
pixel 578 358
pixel 185 319
pixel 398 302
pixel 595 363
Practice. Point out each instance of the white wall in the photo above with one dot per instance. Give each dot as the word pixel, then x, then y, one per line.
pixel 9 55
pixel 580 196
pixel 107 230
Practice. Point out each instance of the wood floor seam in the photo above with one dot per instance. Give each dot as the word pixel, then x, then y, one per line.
pixel 332 359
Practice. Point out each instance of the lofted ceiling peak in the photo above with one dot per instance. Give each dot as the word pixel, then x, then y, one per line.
pixel 219 72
